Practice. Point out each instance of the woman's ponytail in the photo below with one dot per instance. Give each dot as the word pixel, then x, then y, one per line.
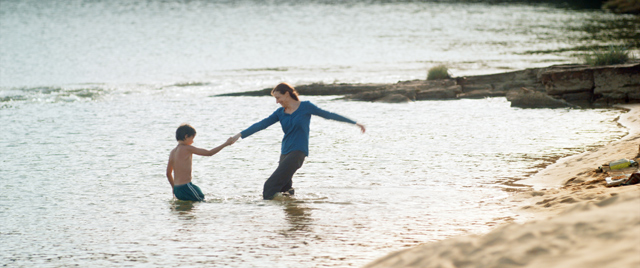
pixel 284 87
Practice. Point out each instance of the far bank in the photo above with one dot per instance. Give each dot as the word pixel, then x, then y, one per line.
pixel 557 86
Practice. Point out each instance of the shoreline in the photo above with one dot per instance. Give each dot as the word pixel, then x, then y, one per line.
pixel 573 219
pixel 558 173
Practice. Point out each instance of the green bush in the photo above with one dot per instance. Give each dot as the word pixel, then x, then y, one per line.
pixel 438 72
pixel 614 55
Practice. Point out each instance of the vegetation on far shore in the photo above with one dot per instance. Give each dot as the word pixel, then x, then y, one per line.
pixel 612 55
pixel 438 72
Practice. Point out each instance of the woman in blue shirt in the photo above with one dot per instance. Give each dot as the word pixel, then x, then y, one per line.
pixel 294 117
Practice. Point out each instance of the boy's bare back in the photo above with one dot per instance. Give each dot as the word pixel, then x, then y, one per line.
pixel 180 160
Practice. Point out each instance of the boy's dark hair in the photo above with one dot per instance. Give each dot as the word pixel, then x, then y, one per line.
pixel 185 130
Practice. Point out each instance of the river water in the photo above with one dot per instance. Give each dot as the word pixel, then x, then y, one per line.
pixel 91 93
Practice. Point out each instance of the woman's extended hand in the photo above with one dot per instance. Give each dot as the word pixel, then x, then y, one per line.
pixel 236 137
pixel 362 128
pixel 230 141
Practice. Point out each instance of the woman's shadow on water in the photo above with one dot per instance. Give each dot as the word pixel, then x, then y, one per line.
pixel 298 215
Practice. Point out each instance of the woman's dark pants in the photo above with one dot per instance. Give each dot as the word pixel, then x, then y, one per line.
pixel 280 180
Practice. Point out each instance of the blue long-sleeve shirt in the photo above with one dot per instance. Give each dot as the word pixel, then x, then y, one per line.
pixel 295 125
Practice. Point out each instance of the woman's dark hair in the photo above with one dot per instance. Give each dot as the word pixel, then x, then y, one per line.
pixel 185 130
pixel 284 87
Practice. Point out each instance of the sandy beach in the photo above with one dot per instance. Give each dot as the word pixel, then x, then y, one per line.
pixel 575 219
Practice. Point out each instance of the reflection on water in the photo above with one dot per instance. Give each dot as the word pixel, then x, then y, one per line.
pixel 595 31
pixel 182 207
pixel 612 29
pixel 298 215
pixel 184 213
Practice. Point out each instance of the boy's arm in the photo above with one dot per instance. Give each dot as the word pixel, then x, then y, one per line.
pixel 170 173
pixel 205 152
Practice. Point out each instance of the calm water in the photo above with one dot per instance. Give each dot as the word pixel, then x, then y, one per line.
pixel 252 43
pixel 92 91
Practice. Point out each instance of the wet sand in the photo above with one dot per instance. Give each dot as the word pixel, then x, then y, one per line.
pixel 575 219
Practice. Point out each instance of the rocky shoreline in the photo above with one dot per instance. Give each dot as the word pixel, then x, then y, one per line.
pixel 576 86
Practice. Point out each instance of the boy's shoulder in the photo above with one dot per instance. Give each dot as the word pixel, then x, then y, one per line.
pixel 173 150
pixel 181 147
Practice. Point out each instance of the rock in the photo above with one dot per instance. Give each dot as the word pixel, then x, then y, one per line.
pixel 560 81
pixel 582 99
pixel 428 84
pixel 493 85
pixel 600 86
pixel 394 98
pixel 481 93
pixel 377 95
pixel 316 89
pixel 526 98
pixel 634 95
pixel 558 85
pixel 620 83
pixel 366 96
pixel 256 93
pixel 411 90
pixel 321 89
pixel 622 6
pixel 439 93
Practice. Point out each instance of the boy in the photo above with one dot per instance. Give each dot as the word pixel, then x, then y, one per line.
pixel 180 163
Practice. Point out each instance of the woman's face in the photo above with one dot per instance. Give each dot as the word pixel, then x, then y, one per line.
pixel 282 99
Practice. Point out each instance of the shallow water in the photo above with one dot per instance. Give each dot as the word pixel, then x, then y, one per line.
pixel 83 181
pixel 94 91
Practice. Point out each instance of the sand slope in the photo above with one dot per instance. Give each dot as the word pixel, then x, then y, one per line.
pixel 576 220
pixel 605 234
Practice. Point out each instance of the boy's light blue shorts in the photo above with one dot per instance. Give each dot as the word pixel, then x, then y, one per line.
pixel 188 192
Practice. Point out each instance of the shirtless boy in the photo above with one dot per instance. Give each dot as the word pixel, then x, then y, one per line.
pixel 179 166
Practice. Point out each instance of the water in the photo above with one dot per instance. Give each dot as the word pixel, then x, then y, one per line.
pixel 45 43
pixel 92 91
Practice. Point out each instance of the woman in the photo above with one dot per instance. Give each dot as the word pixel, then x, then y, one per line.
pixel 294 117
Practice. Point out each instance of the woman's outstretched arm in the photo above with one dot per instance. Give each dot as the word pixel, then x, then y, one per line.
pixel 264 123
pixel 334 116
